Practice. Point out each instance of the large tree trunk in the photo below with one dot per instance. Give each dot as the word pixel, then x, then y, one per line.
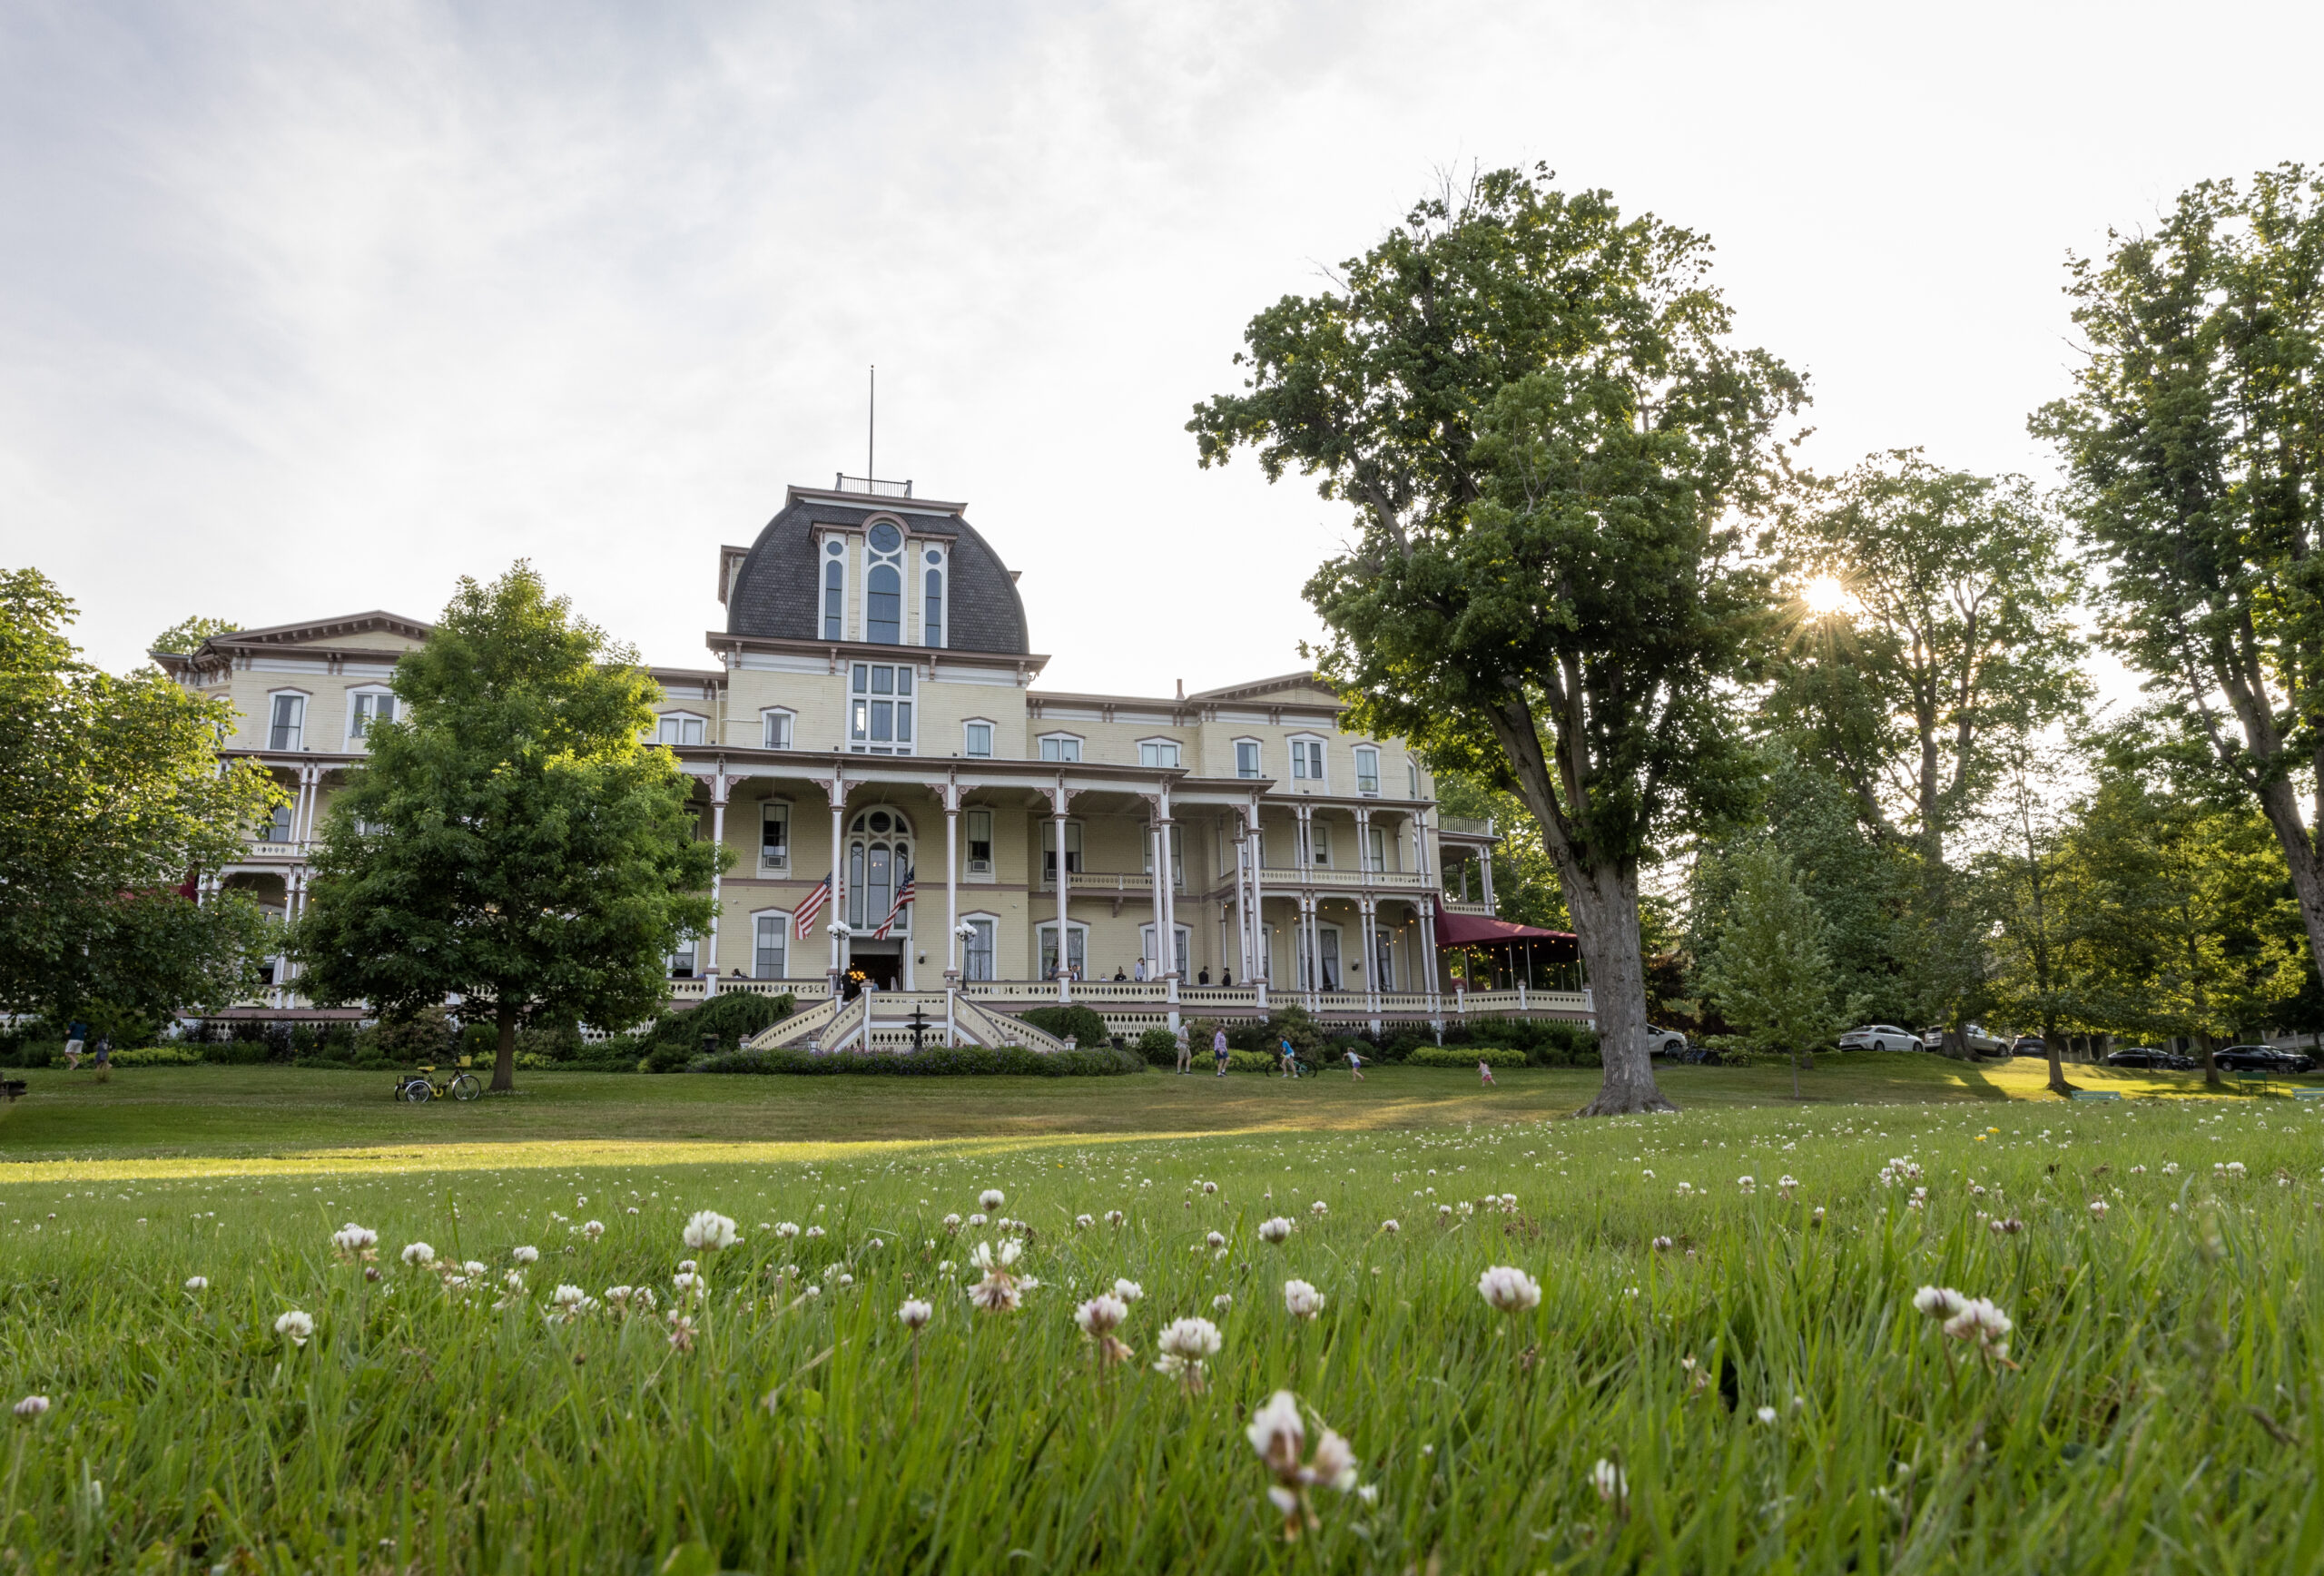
pixel 503 1060
pixel 2211 1066
pixel 1603 901
pixel 2281 806
pixel 2058 1084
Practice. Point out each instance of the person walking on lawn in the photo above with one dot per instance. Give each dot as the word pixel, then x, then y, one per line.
pixel 1354 1065
pixel 1186 1053
pixel 1484 1073
pixel 1218 1050
pixel 1290 1061
pixel 76 1035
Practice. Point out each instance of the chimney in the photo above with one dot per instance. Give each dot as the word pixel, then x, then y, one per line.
pixel 1182 689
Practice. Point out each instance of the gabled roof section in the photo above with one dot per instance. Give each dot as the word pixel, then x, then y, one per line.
pixel 1303 685
pixel 323 630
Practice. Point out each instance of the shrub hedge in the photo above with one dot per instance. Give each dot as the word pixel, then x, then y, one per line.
pixel 1085 1024
pixel 1099 1061
pixel 1465 1056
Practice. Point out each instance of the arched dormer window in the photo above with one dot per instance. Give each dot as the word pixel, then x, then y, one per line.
pixel 883 586
pixel 834 589
pixel 931 612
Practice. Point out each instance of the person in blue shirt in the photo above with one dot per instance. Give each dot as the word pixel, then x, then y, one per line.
pixel 1290 1061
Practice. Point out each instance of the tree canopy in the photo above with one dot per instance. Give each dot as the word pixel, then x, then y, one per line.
pixel 2194 439
pixel 1549 449
pixel 511 839
pixel 112 798
pixel 187 634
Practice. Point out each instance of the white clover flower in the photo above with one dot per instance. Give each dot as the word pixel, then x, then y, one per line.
pixel 354 1241
pixel 952 1223
pixel 32 1406
pixel 1389 1226
pixel 1274 1230
pixel 2098 1209
pixel 1766 1414
pixel 813 1231
pixel 1509 1289
pixel 525 1254
pixel 295 1326
pixel 1979 1321
pixel 618 1295
pixel 197 1283
pixel 569 1298
pixel 1444 1214
pixel 992 1198
pixel 1939 1301
pixel 1208 1188
pixel 1609 1481
pixel 681 1332
pixel 787 1229
pixel 1215 1240
pixel 594 1229
pixel 1279 1433
pixel 1183 1345
pixel 1319 1209
pixel 975 1220
pixel 1301 1300
pixel 1747 1185
pixel 1115 1217
pixel 686 1283
pixel 914 1315
pixel 709 1231
pixel 1084 1222
pixel 1101 1314
pixel 1130 1291
pixel 1222 1301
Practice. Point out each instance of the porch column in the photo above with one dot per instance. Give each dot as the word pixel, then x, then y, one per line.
pixel 719 784
pixel 837 791
pixel 1258 961
pixel 1428 955
pixel 1168 939
pixel 1059 800
pixel 951 791
pixel 1156 851
pixel 1485 860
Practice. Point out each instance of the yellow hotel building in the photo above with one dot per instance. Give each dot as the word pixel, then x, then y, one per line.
pixel 873 711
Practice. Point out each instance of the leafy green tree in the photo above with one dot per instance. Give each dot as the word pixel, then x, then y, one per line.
pixel 1952 645
pixel 2194 439
pixel 112 799
pixel 1860 885
pixel 2182 916
pixel 2033 956
pixel 189 635
pixel 1549 446
pixel 1772 975
pixel 510 839
pixel 1525 876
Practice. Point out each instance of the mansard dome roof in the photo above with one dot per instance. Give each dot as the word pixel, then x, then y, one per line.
pixel 773 592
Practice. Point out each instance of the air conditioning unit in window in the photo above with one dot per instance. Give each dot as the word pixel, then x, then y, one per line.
pixel 979 867
pixel 773 859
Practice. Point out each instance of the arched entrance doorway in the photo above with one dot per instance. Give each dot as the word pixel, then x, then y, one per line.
pixel 878 864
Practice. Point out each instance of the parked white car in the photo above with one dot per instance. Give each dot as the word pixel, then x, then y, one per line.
pixel 1665 1042
pixel 1974 1036
pixel 1880 1037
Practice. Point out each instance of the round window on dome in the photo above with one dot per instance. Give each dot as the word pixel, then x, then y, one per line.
pixel 834 548
pixel 886 539
pixel 934 557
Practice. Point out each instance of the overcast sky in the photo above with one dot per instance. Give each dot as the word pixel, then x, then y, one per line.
pixel 306 309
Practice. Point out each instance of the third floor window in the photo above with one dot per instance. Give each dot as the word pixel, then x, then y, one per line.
pixel 287 728
pixel 1158 753
pixel 879 709
pixel 1247 757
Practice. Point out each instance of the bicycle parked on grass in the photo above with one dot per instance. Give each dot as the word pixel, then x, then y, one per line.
pixel 422 1086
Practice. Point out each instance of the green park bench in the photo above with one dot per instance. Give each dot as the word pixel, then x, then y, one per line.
pixel 14 1088
pixel 2309 1092
pixel 2096 1095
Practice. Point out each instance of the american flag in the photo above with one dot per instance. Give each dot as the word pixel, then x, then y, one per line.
pixel 811 905
pixel 904 899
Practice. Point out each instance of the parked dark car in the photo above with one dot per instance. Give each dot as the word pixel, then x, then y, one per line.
pixel 2031 1045
pixel 2262 1058
pixel 2140 1056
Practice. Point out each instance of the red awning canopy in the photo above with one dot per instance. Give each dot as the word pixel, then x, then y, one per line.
pixel 1480 931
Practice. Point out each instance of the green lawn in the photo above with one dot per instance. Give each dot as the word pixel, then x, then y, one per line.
pixel 243 1112
pixel 1761 1387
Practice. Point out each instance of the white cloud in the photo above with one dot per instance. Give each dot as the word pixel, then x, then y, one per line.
pixel 303 311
